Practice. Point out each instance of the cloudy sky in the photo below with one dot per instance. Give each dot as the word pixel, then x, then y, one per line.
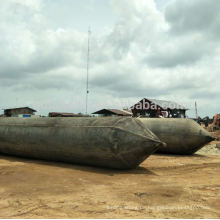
pixel 163 49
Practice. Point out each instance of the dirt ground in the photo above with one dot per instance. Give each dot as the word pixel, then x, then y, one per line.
pixel 162 187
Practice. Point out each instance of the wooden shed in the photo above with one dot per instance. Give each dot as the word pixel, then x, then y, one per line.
pixel 158 108
pixel 15 112
pixel 113 112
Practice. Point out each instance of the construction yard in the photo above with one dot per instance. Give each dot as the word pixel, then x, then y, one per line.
pixel 164 186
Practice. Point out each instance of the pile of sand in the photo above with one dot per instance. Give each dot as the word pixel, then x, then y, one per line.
pixel 211 149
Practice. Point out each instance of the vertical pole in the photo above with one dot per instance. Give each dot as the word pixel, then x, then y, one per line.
pixel 196 111
pixel 87 71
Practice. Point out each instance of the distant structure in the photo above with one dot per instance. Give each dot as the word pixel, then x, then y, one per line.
pixel 24 112
pixel 113 112
pixel 158 108
pixel 64 114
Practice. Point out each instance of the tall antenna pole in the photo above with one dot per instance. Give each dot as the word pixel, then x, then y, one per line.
pixel 196 111
pixel 87 73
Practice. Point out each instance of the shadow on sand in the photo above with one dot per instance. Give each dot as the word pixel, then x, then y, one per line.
pixel 179 155
pixel 84 168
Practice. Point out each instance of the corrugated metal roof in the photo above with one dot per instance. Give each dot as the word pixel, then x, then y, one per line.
pixel 20 108
pixel 114 111
pixel 120 112
pixel 162 104
pixel 63 114
pixel 167 104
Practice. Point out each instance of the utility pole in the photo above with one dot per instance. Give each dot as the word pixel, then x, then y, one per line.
pixel 196 111
pixel 87 70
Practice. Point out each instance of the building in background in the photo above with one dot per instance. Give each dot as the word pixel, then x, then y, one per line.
pixel 24 112
pixel 113 112
pixel 64 114
pixel 158 108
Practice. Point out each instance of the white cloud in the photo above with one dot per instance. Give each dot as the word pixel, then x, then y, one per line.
pixel 147 53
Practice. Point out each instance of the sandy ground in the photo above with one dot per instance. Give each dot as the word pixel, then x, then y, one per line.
pixel 162 187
